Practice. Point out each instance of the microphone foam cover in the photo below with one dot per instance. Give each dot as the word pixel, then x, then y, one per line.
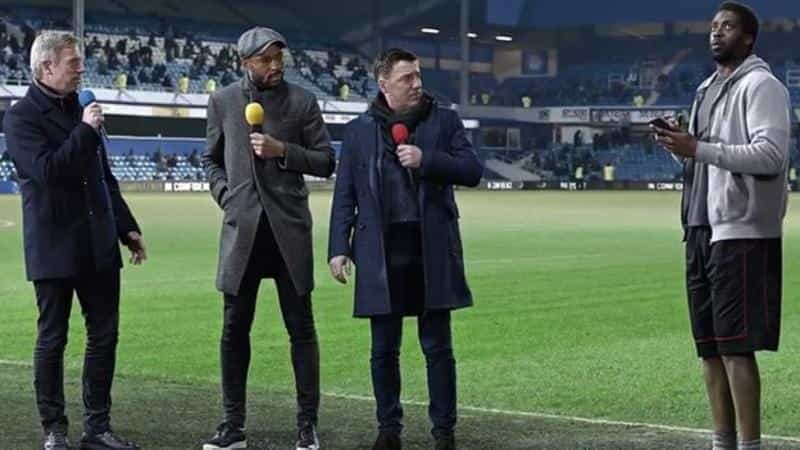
pixel 254 114
pixel 399 133
pixel 86 97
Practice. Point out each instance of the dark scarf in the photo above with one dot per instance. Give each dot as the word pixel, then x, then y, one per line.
pixel 411 118
pixel 398 185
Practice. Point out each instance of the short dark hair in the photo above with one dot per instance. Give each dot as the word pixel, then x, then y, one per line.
pixel 746 15
pixel 385 62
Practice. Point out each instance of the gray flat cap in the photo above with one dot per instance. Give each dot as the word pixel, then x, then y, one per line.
pixel 256 40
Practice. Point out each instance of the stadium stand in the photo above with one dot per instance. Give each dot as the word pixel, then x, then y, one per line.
pixel 128 50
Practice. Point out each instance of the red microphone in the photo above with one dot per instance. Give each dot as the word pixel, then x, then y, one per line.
pixel 399 133
pixel 400 137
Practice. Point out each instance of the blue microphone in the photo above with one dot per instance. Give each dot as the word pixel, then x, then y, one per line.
pixel 85 98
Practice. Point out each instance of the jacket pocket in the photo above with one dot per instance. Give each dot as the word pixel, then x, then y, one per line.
pixel 730 202
pixel 233 192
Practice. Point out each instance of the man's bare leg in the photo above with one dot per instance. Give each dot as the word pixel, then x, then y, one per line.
pixel 745 385
pixel 723 413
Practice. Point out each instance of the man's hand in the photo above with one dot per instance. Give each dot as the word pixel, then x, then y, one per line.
pixel 678 142
pixel 93 115
pixel 266 146
pixel 410 156
pixel 136 245
pixel 341 266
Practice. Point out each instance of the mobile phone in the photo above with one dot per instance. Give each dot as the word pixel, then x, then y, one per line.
pixel 662 123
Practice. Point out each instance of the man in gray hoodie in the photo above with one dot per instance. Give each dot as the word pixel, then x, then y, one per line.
pixel 735 157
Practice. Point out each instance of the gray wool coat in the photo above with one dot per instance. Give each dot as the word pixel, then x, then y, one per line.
pixel 244 185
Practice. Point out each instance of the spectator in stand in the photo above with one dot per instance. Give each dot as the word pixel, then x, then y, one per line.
pixel 94 45
pixel 122 46
pixel 211 86
pixel 609 173
pixel 157 155
pixel 102 65
pixel 183 84
pixel 343 89
pixel 113 60
pixel 121 81
pixel 134 61
pixel 188 50
pixel 159 70
pixel 170 50
pixel 167 82
pixel 227 78
pixel 143 77
pixel 147 58
pixel 197 68
pixel 161 164
pixel 577 138
pixel 365 87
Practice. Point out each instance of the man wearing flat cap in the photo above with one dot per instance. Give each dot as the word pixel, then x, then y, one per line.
pixel 256 176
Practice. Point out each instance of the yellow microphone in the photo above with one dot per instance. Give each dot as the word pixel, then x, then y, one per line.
pixel 254 115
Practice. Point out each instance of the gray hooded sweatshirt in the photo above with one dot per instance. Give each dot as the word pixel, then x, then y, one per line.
pixel 747 153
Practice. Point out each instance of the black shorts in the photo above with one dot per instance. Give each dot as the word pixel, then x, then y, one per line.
pixel 734 292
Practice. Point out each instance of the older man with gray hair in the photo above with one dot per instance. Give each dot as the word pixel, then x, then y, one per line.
pixel 73 217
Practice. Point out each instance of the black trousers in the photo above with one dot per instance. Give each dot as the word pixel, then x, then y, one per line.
pixel 436 341
pixel 407 292
pixel 239 311
pixel 98 295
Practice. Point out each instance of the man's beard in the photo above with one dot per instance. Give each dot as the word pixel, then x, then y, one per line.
pixel 261 84
pixel 725 57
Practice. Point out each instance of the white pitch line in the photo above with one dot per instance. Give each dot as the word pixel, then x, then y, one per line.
pixel 6 223
pixel 7 362
pixel 508 412
pixel 536 415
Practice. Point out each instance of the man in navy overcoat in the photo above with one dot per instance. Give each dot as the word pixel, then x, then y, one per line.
pixel 394 215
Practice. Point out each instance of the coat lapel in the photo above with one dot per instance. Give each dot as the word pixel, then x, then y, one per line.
pixel 53 114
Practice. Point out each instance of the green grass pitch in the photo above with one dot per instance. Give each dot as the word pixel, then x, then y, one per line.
pixel 579 310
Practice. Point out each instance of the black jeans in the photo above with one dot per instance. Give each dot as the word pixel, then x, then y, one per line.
pixel 436 341
pixel 99 298
pixel 239 310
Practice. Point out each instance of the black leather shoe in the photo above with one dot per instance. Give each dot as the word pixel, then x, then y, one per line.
pixel 307 438
pixel 227 437
pixel 388 441
pixel 105 441
pixel 56 440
